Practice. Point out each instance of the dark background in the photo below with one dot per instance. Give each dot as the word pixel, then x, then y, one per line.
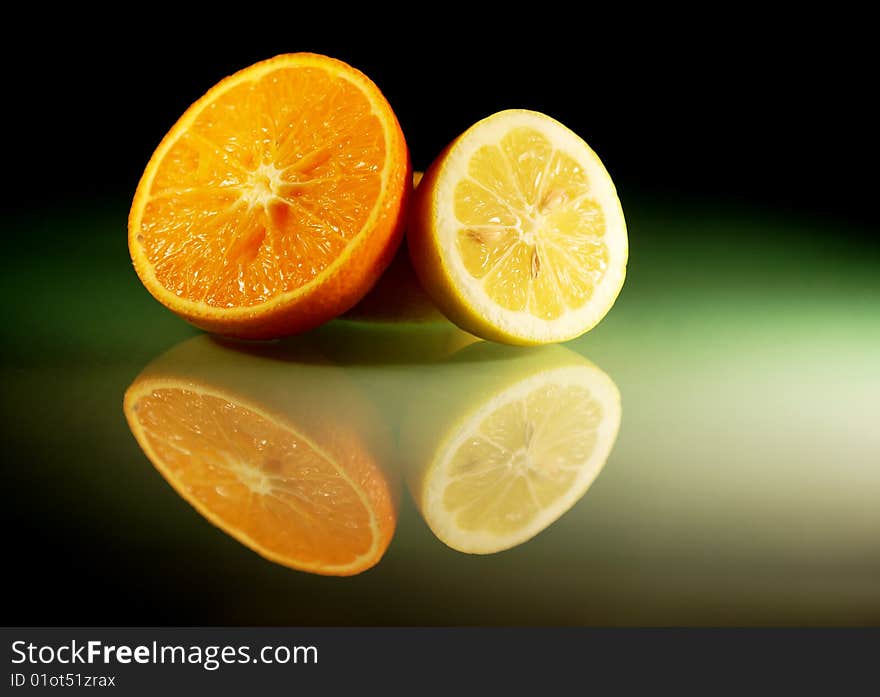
pixel 773 113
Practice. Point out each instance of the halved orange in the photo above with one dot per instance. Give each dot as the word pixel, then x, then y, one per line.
pixel 275 202
pixel 286 456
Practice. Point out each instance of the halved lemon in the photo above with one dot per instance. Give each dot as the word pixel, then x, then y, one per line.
pixel 510 445
pixel 517 233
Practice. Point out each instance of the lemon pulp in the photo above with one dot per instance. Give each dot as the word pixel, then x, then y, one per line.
pixel 522 459
pixel 529 230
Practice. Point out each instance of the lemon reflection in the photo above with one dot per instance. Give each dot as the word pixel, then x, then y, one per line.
pixel 275 446
pixel 505 441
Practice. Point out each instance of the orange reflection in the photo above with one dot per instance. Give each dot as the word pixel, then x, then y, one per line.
pixel 275 446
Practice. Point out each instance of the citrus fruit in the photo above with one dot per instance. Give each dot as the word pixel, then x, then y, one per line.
pixel 508 444
pixel 398 296
pixel 275 201
pixel 516 231
pixel 284 455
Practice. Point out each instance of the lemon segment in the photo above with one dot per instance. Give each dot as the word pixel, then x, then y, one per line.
pixel 517 232
pixel 521 459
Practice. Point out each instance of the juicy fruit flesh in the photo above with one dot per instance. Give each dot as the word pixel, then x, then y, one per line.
pixel 529 231
pixel 522 458
pixel 272 180
pixel 256 476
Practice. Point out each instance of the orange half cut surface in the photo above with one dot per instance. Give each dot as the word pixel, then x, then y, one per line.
pixel 282 456
pixel 275 202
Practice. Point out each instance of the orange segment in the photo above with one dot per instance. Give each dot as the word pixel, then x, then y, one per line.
pixel 284 456
pixel 279 492
pixel 276 200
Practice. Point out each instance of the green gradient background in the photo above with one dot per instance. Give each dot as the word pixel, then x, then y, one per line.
pixel 744 487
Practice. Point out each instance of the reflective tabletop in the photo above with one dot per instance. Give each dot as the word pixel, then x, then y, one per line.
pixel 708 455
